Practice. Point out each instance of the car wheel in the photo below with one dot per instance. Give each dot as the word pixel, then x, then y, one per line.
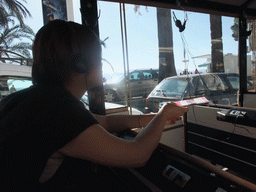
pixel 110 95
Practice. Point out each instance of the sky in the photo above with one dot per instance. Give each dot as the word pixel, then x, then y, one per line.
pixel 143 38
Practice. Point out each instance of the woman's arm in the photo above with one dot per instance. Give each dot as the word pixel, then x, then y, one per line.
pixel 117 123
pixel 99 146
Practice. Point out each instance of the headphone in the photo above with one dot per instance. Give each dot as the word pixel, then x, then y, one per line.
pixel 78 61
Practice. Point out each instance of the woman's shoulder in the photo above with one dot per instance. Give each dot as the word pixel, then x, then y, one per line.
pixel 15 97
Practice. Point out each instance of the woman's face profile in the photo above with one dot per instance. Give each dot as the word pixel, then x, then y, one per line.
pixel 94 77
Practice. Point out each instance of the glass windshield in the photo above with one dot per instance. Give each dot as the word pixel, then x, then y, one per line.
pixel 173 87
pixel 18 84
pixel 212 82
pixel 155 42
pixel 234 81
pixel 152 40
pixel 116 79
pixel 11 84
pixel 85 99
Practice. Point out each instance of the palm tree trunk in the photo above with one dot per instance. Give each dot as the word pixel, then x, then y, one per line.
pixel 217 45
pixel 165 43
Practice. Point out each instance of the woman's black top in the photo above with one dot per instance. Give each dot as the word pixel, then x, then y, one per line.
pixel 34 123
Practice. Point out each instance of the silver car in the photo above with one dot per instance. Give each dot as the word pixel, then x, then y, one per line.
pixel 142 82
pixel 218 88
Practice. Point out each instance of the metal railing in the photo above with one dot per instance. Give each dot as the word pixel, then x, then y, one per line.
pixel 21 61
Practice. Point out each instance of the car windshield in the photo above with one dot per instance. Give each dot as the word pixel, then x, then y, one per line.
pixel 116 79
pixel 213 83
pixel 234 81
pixel 19 83
pixel 173 87
pixel 10 84
pixel 85 99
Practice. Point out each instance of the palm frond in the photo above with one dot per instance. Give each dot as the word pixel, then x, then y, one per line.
pixel 103 42
pixel 12 40
pixel 18 9
pixel 3 17
pixel 109 64
pixel 137 9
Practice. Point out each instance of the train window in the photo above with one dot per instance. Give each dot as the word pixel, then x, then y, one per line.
pixel 154 42
pixel 130 52
pixel 173 42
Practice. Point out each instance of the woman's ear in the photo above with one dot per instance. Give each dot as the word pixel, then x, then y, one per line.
pixel 79 63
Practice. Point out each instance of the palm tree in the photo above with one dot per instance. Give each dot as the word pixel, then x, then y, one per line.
pixel 102 42
pixel 165 42
pixel 12 44
pixel 217 45
pixel 235 29
pixel 3 16
pixel 15 8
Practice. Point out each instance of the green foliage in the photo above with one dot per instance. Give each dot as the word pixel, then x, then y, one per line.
pixel 235 29
pixel 103 44
pixel 12 40
pixel 14 8
pixel 137 9
pixel 12 36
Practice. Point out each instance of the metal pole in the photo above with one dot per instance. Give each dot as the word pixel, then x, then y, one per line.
pixel 90 18
pixel 242 59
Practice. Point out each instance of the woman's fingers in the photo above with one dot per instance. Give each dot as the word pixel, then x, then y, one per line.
pixel 172 112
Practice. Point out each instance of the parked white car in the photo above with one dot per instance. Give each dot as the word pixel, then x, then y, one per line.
pixel 17 77
pixel 14 78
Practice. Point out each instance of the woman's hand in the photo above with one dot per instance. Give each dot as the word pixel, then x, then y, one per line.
pixel 172 112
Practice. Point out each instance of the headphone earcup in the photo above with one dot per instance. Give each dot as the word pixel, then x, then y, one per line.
pixel 78 62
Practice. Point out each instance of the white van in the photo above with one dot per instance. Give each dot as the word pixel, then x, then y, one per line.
pixel 14 78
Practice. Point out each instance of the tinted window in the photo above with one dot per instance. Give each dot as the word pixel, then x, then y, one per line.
pixel 212 83
pixel 147 75
pixel 135 76
pixel 234 81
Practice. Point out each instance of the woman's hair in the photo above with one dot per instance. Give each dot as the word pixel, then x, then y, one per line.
pixel 62 47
